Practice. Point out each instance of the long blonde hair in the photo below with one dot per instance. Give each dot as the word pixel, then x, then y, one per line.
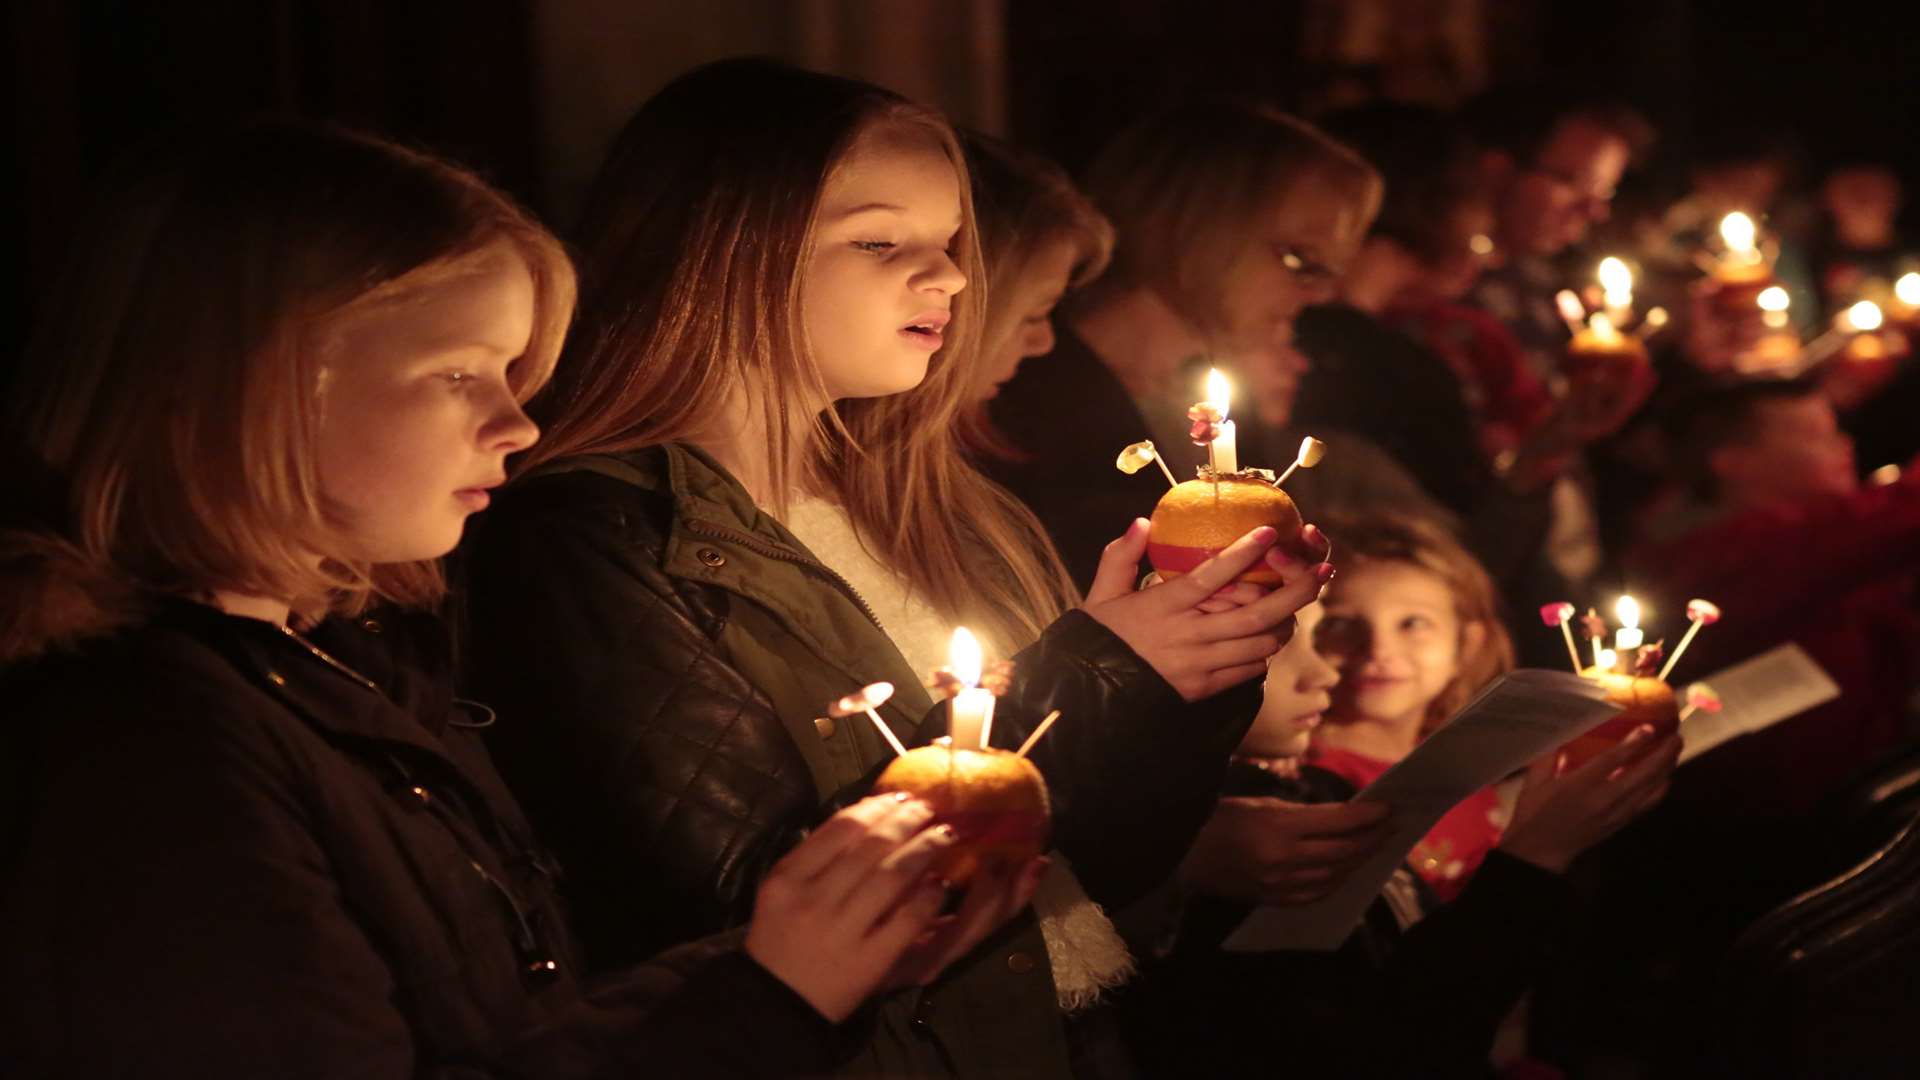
pixel 1024 202
pixel 690 256
pixel 169 406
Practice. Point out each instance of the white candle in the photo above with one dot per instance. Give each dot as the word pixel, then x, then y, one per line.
pixel 1628 637
pixel 1226 454
pixel 971 711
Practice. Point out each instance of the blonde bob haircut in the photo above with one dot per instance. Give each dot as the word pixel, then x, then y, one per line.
pixel 691 251
pixel 1189 188
pixel 171 401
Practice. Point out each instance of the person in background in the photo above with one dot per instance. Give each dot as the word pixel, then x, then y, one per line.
pixel 1421 987
pixel 1471 422
pixel 1231 218
pixel 1040 237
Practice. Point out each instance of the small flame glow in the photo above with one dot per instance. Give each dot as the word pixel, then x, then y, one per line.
pixel 1608 658
pixel 1629 611
pixel 963 656
pixel 1571 309
pixel 1219 391
pixel 1656 318
pixel 1864 316
pixel 1481 244
pixel 1738 231
pixel 1601 326
pixel 1616 280
pixel 1774 298
pixel 1884 475
pixel 1907 289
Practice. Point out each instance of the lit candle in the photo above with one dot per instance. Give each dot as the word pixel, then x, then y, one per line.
pixel 971 723
pixel 1616 284
pixel 1629 636
pixel 1225 454
pixel 1738 232
pixel 1864 317
pixel 1774 302
pixel 1907 292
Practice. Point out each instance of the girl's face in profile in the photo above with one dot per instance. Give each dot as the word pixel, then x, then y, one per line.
pixel 877 290
pixel 1394 633
pixel 418 412
pixel 1298 683
pixel 1032 294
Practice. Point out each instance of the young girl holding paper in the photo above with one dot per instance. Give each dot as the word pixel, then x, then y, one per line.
pixel 752 501
pixel 1421 987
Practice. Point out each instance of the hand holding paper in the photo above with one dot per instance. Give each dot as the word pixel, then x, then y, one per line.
pixel 1517 718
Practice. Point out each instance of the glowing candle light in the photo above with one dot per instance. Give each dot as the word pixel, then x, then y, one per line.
pixel 972 708
pixel 1738 232
pixel 1629 636
pixel 1864 317
pixel 1907 290
pixel 1616 283
pixel 1224 453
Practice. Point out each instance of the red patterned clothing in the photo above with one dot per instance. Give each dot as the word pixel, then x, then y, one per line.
pixel 1456 845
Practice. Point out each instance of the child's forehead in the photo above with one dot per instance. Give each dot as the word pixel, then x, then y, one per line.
pixel 892 168
pixel 1377 582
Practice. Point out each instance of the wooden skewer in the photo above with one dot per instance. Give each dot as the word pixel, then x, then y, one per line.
pixel 1037 732
pixel 887 733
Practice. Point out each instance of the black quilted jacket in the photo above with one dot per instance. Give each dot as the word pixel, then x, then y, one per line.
pixel 653 621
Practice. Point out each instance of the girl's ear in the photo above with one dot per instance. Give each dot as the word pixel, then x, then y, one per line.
pixel 1473 638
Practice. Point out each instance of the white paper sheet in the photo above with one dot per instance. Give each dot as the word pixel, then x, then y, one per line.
pixel 1776 685
pixel 1515 719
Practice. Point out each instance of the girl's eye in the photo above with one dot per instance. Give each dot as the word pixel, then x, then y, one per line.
pixel 1416 622
pixel 457 378
pixel 873 247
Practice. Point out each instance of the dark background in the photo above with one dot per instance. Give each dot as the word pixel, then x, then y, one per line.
pixel 90 77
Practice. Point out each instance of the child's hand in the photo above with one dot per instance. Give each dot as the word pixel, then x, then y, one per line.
pixel 996 892
pixel 1276 852
pixel 1202 652
pixel 1561 815
pixel 839 913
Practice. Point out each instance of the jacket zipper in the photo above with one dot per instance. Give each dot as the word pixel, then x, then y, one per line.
pixel 761 547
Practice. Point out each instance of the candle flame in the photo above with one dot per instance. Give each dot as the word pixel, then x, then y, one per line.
pixel 1864 316
pixel 1571 309
pixel 1774 298
pixel 1629 611
pixel 1656 318
pixel 1219 391
pixel 1616 280
pixel 963 656
pixel 1907 289
pixel 1738 231
pixel 1607 659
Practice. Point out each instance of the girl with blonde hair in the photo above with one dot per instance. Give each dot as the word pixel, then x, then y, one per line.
pixel 251 832
pixel 752 501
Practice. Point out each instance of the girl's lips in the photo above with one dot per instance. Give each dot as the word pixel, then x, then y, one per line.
pixel 925 338
pixel 1310 721
pixel 473 498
